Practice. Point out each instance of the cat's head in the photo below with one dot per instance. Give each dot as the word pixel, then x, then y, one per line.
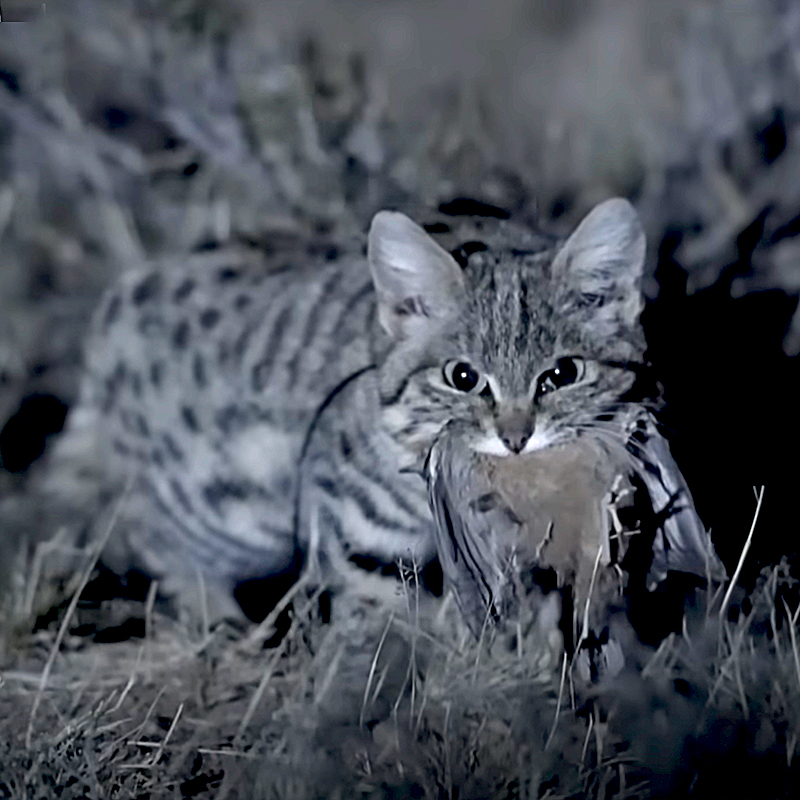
pixel 521 348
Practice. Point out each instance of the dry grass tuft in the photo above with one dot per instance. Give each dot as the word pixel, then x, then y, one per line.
pixel 401 702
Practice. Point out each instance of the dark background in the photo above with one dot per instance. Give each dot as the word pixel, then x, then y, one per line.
pixel 21 10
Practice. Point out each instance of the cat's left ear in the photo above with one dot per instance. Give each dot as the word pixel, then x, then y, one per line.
pixel 598 271
pixel 418 283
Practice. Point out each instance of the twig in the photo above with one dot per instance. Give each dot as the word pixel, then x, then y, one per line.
pixel 267 625
pixel 558 702
pixel 372 669
pixel 586 740
pixel 160 751
pixel 478 649
pixel 585 621
pixel 746 547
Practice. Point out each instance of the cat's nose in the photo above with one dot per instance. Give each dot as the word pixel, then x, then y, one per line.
pixel 514 430
pixel 515 441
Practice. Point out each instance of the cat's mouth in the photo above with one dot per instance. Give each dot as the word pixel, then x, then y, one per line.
pixel 490 443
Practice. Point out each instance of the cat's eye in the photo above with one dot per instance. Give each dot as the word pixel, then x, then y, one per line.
pixel 566 371
pixel 463 376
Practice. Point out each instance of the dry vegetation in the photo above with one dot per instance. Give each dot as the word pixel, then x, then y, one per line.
pixel 137 131
pixel 400 704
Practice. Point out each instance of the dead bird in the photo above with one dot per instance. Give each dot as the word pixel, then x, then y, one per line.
pixel 588 516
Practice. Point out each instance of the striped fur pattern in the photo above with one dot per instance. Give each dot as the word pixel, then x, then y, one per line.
pixel 270 413
pixel 206 382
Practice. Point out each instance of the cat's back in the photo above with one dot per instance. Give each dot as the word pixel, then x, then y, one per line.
pixel 211 332
pixel 202 381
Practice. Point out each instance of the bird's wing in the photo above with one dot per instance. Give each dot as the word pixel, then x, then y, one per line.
pixel 681 542
pixel 684 544
pixel 466 530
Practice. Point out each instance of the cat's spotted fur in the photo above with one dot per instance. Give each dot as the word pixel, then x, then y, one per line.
pixel 266 414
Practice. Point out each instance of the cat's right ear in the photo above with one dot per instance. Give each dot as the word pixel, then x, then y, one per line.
pixel 418 283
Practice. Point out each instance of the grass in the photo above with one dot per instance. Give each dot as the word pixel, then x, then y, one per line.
pixel 400 702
